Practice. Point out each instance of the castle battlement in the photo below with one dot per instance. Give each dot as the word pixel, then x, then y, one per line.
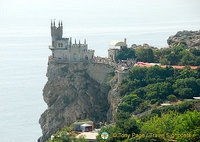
pixel 79 45
pixel 63 48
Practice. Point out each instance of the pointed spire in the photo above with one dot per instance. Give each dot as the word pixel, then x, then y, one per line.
pixel 75 41
pixel 54 24
pixel 79 42
pixel 84 41
pixel 61 24
pixel 51 23
pixel 70 41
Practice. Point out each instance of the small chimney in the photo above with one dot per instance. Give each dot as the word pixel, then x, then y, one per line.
pixel 125 40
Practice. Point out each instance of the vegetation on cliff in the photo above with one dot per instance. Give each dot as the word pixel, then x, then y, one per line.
pixel 146 87
pixel 182 123
pixel 176 55
pixel 144 91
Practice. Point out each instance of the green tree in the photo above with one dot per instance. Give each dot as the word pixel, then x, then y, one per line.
pixel 129 103
pixel 145 55
pixel 138 73
pixel 186 88
pixel 158 90
pixel 127 53
pixel 172 98
pixel 174 123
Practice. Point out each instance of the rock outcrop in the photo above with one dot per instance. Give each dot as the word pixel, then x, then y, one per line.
pixel 74 91
pixel 187 39
pixel 145 45
pixel 113 99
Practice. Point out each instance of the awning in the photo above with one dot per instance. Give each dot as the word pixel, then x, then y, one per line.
pixel 117 43
pixel 86 125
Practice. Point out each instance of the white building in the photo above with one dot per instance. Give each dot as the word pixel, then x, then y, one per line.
pixel 113 52
pixel 62 48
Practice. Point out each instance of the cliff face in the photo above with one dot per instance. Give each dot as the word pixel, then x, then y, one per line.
pixel 74 91
pixel 187 39
pixel 113 99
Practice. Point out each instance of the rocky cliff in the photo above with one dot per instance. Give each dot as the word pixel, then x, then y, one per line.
pixel 74 91
pixel 187 39
pixel 113 99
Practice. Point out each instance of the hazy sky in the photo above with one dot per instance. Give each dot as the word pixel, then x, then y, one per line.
pixel 99 17
pixel 81 13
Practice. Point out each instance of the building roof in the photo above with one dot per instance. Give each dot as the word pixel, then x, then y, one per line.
pixel 80 123
pixel 86 125
pixel 163 66
pixel 165 104
pixel 117 43
pixel 196 98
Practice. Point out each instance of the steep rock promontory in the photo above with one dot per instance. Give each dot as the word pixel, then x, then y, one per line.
pixel 187 39
pixel 113 99
pixel 74 91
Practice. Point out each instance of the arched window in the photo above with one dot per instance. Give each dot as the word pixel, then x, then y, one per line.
pixel 61 44
pixel 86 57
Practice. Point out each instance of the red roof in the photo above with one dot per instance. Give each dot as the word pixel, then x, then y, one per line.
pixel 164 66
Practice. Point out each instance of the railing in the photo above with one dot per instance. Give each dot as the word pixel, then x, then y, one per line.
pixel 63 60
pixel 51 47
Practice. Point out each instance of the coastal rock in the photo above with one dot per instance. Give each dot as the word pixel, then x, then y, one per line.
pixel 186 39
pixel 74 91
pixel 145 45
pixel 113 99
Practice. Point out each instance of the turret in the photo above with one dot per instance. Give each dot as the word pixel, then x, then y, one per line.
pixel 56 32
pixel 125 40
pixel 70 41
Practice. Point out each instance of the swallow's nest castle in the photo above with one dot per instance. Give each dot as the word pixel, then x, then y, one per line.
pixel 64 49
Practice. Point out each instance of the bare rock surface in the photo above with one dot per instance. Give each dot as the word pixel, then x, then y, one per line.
pixel 74 91
pixel 187 39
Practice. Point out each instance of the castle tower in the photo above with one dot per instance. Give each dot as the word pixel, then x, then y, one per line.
pixel 56 32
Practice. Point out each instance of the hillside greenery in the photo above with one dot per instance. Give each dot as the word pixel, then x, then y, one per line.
pixel 176 55
pixel 179 122
pixel 147 87
pixel 143 91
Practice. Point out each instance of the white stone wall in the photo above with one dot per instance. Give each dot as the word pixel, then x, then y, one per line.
pixel 65 43
pixel 112 53
pixel 74 53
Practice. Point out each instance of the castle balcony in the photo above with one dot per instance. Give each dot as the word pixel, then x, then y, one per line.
pixel 90 50
pixel 51 47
